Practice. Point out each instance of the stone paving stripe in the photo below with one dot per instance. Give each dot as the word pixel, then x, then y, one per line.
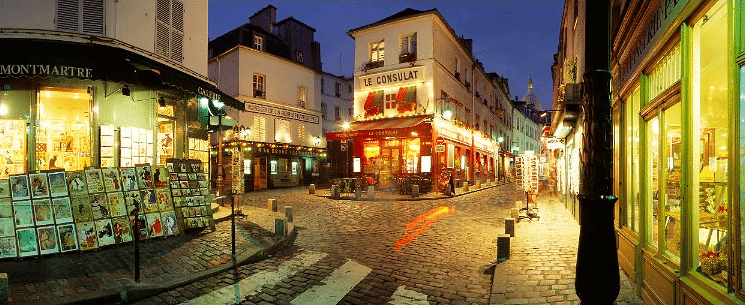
pixel 403 296
pixel 335 286
pixel 250 286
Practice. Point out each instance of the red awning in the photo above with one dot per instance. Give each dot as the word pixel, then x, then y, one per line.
pixel 391 126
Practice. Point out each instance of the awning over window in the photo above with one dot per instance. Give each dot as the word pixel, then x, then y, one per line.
pixel 384 127
pixel 374 103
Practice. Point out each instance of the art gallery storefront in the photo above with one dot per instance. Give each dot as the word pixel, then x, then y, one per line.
pixel 678 116
pixel 70 106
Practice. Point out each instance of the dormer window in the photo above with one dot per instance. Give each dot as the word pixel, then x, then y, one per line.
pixel 259 43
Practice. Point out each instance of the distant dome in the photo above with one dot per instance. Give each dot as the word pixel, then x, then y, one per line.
pixel 531 98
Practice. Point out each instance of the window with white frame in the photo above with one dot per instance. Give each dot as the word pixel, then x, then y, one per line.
pixel 169 29
pixel 259 86
pixel 408 44
pixel 259 43
pixel 302 96
pixel 377 51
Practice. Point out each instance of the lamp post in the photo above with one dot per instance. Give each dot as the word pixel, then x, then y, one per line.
pixel 345 126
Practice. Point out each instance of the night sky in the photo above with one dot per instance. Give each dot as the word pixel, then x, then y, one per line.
pixel 516 39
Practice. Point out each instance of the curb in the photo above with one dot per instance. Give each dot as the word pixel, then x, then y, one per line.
pixel 136 292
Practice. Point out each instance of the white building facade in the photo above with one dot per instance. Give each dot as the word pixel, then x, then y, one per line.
pixel 336 95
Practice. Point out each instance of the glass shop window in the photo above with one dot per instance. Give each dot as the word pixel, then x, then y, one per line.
pixel 13 112
pixel 63 136
pixel 632 199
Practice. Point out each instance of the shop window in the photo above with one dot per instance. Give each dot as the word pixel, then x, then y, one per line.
pixel 653 179
pixel 13 112
pixel 710 117
pixel 666 73
pixel 199 149
pixel 294 167
pixel 450 156
pixel 741 168
pixel 63 137
pixel 670 223
pixel 411 150
pixel 273 167
pixel 632 198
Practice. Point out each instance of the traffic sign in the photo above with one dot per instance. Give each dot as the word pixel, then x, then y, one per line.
pixel 440 148
pixel 440 140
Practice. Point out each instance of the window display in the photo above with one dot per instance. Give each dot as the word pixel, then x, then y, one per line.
pixel 136 146
pixel 653 180
pixel 63 136
pixel 12 147
pixel 199 150
pixel 672 199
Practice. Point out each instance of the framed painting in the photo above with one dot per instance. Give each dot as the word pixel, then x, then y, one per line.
pixel 68 237
pixel 144 176
pixel 174 184
pixel 19 187
pixel 105 232
pixel 170 165
pixel 111 179
pixel 170 223
pixel 4 188
pixel 133 202
pixel 87 239
pixel 7 228
pixel 81 208
pixel 192 176
pixel 195 166
pixel 99 205
pixel 149 200
pixel 142 223
pixel 155 225
pixel 62 210
pixel 43 214
pixel 8 247
pixel 23 214
pixel 122 230
pixel 6 208
pixel 117 207
pixel 27 244
pixel 39 185
pixel 128 178
pixel 164 200
pixel 94 178
pixel 48 243
pixel 57 184
pixel 160 177
pixel 76 183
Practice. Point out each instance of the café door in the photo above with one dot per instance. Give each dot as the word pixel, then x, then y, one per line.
pixel 260 173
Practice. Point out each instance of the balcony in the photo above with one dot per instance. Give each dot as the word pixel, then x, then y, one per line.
pixel 373 65
pixel 406 57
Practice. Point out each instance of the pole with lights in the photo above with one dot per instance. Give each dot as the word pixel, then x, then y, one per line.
pixel 345 127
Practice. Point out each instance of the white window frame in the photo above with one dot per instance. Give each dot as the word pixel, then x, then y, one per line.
pixel 408 44
pixel 377 51
pixel 259 43
pixel 259 84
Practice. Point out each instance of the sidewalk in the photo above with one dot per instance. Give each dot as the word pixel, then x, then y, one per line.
pixel 543 256
pixel 106 276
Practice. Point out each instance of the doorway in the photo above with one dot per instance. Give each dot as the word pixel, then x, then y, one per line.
pixel 260 173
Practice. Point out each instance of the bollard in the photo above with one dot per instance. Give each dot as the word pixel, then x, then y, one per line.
pixel 509 226
pixel 288 213
pixel 514 213
pixel 357 194
pixel 503 247
pixel 465 186
pixel 371 191
pixel 335 192
pixel 312 189
pixel 272 205
pixel 448 190
pixel 478 183
pixel 279 228
pixel 414 191
pixel 4 291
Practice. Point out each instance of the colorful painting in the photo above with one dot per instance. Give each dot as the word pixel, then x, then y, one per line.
pixel 6 227
pixel 144 176
pixel 142 226
pixel 87 239
pixel 43 214
pixel 163 197
pixel 170 224
pixel 27 245
pixel 94 179
pixel 174 184
pixel 57 184
pixel 177 202
pixel 23 214
pixel 128 178
pixel 105 232
pixel 149 200
pixel 76 183
pixel 6 209
pixel 160 177
pixel 99 206
pixel 122 231
pixel 111 179
pixel 62 210
pixel 48 243
pixel 68 237
pixel 81 209
pixel 155 225
pixel 19 187
pixel 4 188
pixel 8 247
pixel 39 185
pixel 133 202
pixel 117 207
pixel 195 166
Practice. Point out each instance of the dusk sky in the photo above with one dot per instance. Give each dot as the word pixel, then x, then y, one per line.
pixel 516 39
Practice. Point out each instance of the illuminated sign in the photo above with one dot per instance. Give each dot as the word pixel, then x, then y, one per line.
pixel 55 70
pixel 283 113
pixel 389 78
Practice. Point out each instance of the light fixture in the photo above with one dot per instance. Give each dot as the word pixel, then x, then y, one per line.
pixel 161 102
pixel 500 139
pixel 447 114
pixel 125 90
pixel 345 126
pixel 414 134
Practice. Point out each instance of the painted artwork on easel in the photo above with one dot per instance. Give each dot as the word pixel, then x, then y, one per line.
pixel 7 228
pixel 48 243
pixel 164 200
pixel 160 177
pixel 133 201
pixel 105 232
pixel 142 226
pixel 122 230
pixel 43 214
pixel 62 210
pixel 81 209
pixel 57 184
pixel 94 179
pixel 128 178
pixel 68 237
pixel 19 187
pixel 39 185
pixel 144 176
pixel 76 183
pixel 8 247
pixel 27 244
pixel 111 179
pixel 87 239
pixel 149 200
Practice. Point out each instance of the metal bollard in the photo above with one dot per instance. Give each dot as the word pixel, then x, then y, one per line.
pixel 503 247
pixel 312 189
pixel 509 226
pixel 288 213
pixel 280 228
pixel 272 205
pixel 414 191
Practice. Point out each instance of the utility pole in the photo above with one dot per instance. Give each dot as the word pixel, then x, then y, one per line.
pixel 597 277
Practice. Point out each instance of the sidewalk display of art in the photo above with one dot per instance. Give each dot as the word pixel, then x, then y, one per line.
pixel 526 172
pixel 12 147
pixel 189 192
pixel 107 146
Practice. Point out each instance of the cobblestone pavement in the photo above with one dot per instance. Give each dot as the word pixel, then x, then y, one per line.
pixel 541 268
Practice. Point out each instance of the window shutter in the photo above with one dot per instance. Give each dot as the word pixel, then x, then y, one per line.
pixel 68 14
pixel 405 44
pixel 177 13
pixel 301 133
pixel 177 33
pixel 177 46
pixel 161 39
pixel 413 43
pixel 163 12
pixel 93 12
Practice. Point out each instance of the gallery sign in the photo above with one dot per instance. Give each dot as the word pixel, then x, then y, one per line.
pixel 392 78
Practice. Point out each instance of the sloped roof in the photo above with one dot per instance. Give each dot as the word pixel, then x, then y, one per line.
pixel 406 13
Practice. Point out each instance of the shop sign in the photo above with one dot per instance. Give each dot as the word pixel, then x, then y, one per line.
pixel 440 148
pixel 53 70
pixel 282 151
pixel 208 94
pixel 392 78
pixel 283 113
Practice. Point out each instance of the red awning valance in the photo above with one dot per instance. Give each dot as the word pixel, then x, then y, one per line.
pixel 386 127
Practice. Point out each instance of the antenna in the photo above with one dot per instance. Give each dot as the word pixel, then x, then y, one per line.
pixel 339 63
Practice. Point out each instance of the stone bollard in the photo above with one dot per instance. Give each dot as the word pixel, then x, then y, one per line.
pixel 4 291
pixel 312 189
pixel 272 205
pixel 371 191
pixel 335 194
pixel 288 213
pixel 414 191
pixel 357 194
pixel 280 228
pixel 509 226
pixel 503 247
pixel 448 190
pixel 465 186
pixel 515 213
pixel 478 183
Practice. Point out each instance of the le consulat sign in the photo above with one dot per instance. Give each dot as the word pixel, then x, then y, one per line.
pixel 392 78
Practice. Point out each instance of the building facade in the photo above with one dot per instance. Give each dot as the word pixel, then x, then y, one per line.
pixel 278 131
pixel 422 105
pixel 74 72
pixel 336 94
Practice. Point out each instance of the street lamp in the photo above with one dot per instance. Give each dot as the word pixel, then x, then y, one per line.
pixel 345 126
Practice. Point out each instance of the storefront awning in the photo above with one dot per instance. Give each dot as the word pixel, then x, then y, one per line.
pixel 382 127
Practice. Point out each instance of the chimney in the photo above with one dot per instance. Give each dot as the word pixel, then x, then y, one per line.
pixel 467 44
pixel 265 18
